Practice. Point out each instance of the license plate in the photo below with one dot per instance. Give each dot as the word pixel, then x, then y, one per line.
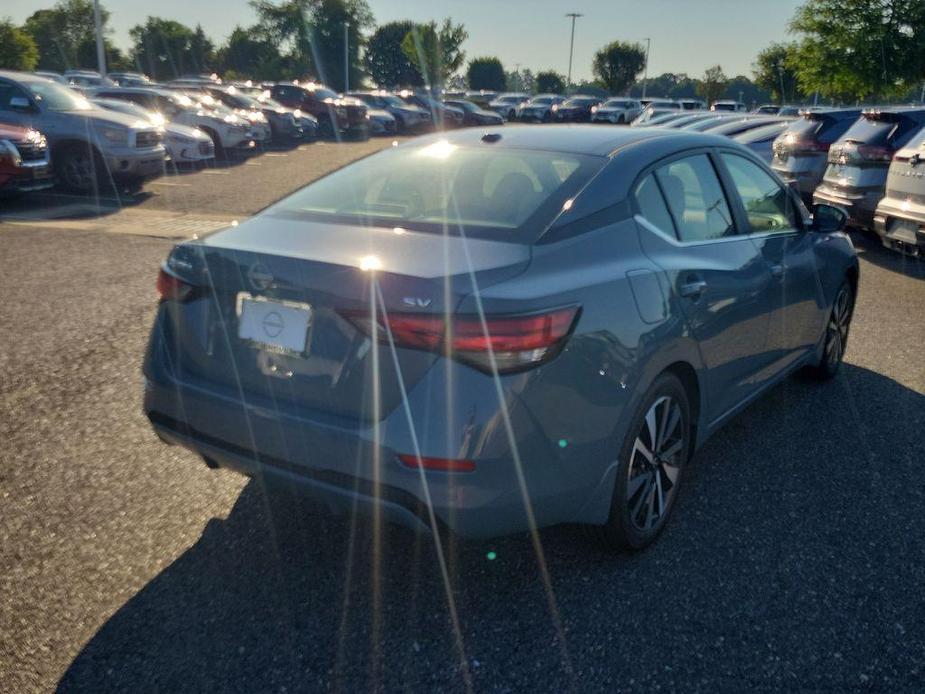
pixel 279 326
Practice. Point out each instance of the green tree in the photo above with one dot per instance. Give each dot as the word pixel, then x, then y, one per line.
pixel 202 51
pixel 65 35
pixel 386 62
pixel 669 85
pixel 486 73
pixel 742 88
pixel 250 55
pixel 713 84
pixel 774 72
pixel 17 48
pixel 436 53
pixel 859 49
pixel 521 81
pixel 163 48
pixel 312 31
pixel 550 82
pixel 617 65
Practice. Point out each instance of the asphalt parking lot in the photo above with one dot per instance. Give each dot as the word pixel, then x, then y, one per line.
pixel 795 559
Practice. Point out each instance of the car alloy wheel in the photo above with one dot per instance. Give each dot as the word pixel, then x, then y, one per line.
pixel 836 333
pixel 77 171
pixel 655 449
pixel 655 465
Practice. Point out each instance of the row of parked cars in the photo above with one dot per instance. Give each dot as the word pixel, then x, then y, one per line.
pixel 82 131
pixel 868 162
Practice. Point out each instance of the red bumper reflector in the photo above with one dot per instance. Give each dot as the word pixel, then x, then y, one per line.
pixel 441 464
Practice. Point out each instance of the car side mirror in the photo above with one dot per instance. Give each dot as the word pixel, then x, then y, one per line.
pixel 828 219
pixel 21 103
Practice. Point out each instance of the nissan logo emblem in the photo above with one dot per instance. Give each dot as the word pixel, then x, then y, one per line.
pixel 273 324
pixel 260 276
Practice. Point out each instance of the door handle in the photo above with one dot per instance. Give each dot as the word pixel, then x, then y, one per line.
pixel 777 271
pixel 693 288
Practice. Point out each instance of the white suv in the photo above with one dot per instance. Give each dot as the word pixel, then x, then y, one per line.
pixel 619 111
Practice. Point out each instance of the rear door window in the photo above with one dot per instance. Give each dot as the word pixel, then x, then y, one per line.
pixel 652 205
pixel 768 206
pixel 696 199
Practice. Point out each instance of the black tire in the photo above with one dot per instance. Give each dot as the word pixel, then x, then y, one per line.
pixel 220 153
pixel 645 481
pixel 79 169
pixel 621 120
pixel 836 334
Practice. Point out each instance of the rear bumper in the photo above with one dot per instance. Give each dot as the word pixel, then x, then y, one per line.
pixel 342 463
pixel 901 229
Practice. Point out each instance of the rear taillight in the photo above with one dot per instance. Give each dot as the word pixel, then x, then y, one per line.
pixel 172 288
pixel 440 464
pixel 875 153
pixel 811 146
pixel 515 342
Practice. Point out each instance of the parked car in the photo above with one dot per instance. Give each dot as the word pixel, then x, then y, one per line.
pixel 776 110
pixel 408 117
pixel 735 125
pixel 761 140
pixel 423 375
pixel 53 76
pixel 575 109
pixel 87 78
pixel 692 104
pixel 480 97
pixel 278 122
pixel 230 134
pixel 900 216
pixel 90 147
pixel 474 114
pixel 443 116
pixel 690 118
pixel 130 79
pixel 250 112
pixel 859 161
pixel 381 122
pixel 539 108
pixel 657 116
pixel 24 159
pixel 620 111
pixel 664 105
pixel 505 105
pixel 728 105
pixel 706 124
pixel 337 117
pixel 184 144
pixel 801 152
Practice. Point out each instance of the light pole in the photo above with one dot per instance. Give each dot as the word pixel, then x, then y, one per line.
pixel 645 70
pixel 571 48
pixel 100 52
pixel 780 73
pixel 346 58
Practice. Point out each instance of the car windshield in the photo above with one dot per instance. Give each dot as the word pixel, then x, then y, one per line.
pixel 580 101
pixel 464 105
pixel 440 187
pixel 393 100
pixel 541 101
pixel 872 131
pixel 56 97
pixel 615 103
pixel 510 99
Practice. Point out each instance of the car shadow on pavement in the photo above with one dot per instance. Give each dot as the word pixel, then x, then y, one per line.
pixel 53 204
pixel 790 552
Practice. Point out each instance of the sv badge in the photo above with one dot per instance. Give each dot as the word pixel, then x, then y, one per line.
pixel 416 301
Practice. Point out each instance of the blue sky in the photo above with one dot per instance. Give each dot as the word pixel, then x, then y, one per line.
pixel 687 35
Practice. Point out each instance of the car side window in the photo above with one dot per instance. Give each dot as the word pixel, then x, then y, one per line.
pixel 652 205
pixel 7 91
pixel 696 199
pixel 767 204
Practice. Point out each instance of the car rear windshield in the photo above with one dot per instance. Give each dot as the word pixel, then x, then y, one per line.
pixel 886 130
pixel 500 193
pixel 58 98
pixel 616 104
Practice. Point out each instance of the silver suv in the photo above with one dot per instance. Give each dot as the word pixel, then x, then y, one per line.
pixel 900 216
pixel 90 147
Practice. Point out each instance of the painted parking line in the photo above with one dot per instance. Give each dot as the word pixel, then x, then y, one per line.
pixel 169 183
pixel 252 163
pixel 215 172
pixel 275 154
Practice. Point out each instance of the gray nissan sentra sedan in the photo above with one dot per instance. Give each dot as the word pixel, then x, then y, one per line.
pixel 497 331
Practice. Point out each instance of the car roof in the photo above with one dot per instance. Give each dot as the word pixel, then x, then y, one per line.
pixel 578 139
pixel 24 77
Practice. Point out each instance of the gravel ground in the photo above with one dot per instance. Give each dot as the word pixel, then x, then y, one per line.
pixel 794 560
